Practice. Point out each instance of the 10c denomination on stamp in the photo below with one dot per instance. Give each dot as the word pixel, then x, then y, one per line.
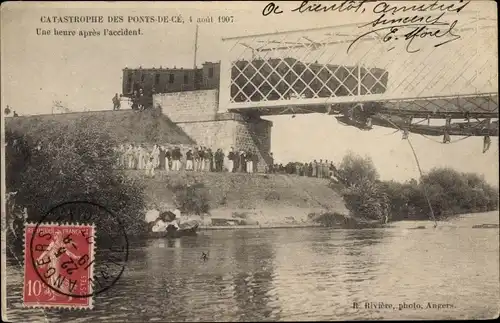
pixel 58 265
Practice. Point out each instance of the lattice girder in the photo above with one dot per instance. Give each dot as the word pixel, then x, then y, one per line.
pixel 311 68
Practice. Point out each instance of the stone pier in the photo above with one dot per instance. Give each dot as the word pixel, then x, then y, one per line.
pixel 197 113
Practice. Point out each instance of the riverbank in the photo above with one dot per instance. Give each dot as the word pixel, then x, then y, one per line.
pixel 482 220
pixel 248 200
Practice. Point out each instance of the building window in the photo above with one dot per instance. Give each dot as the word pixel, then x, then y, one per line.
pixel 211 72
pixel 130 85
pixel 157 79
pixel 186 78
pixel 171 78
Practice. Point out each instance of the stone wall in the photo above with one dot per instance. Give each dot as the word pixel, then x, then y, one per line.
pixel 189 105
pixel 196 112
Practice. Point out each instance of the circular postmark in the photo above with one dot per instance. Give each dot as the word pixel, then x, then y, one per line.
pixel 78 249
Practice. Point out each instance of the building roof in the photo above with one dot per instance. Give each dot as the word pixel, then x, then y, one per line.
pixel 148 69
pixel 124 126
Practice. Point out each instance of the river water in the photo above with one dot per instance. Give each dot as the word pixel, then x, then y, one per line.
pixel 299 274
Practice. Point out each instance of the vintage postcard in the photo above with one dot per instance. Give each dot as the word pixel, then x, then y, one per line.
pixel 249 161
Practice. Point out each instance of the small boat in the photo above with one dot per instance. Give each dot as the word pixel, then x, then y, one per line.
pixel 486 226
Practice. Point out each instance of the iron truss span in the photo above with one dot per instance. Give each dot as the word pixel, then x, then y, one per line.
pixel 286 78
pixel 463 128
pixel 468 109
pixel 437 107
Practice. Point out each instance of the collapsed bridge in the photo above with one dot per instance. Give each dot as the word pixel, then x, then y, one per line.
pixel 369 81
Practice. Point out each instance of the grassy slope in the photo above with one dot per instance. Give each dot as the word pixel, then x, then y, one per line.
pixel 250 191
pixel 123 126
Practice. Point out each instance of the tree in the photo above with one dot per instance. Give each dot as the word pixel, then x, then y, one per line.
pixel 69 162
pixel 448 191
pixel 355 169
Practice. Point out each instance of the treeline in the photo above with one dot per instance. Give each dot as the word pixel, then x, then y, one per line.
pixel 68 163
pixel 449 192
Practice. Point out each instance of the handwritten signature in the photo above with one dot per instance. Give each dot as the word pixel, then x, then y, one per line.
pixel 410 28
pixel 425 28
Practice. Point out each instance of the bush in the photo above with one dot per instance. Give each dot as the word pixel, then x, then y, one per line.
pixel 367 199
pixel 191 199
pixel 68 163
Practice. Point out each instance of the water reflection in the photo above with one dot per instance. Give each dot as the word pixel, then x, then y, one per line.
pixel 252 286
pixel 298 274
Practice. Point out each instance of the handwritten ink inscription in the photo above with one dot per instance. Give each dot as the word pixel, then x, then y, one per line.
pixel 409 28
pixel 404 23
pixel 315 6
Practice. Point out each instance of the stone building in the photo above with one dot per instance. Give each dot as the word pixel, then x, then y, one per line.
pixel 168 80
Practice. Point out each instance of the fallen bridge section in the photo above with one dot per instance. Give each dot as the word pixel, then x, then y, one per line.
pixel 483 105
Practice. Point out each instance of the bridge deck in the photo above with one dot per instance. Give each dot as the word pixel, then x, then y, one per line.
pixel 483 105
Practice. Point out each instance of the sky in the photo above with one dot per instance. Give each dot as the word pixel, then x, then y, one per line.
pixel 84 73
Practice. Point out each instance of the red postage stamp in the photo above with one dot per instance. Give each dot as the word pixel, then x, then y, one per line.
pixel 58 265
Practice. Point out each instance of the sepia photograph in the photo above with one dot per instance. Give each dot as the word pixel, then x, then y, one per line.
pixel 228 161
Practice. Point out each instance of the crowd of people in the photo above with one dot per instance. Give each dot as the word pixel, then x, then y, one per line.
pixel 203 159
pixel 138 101
pixel 319 169
pixel 176 158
